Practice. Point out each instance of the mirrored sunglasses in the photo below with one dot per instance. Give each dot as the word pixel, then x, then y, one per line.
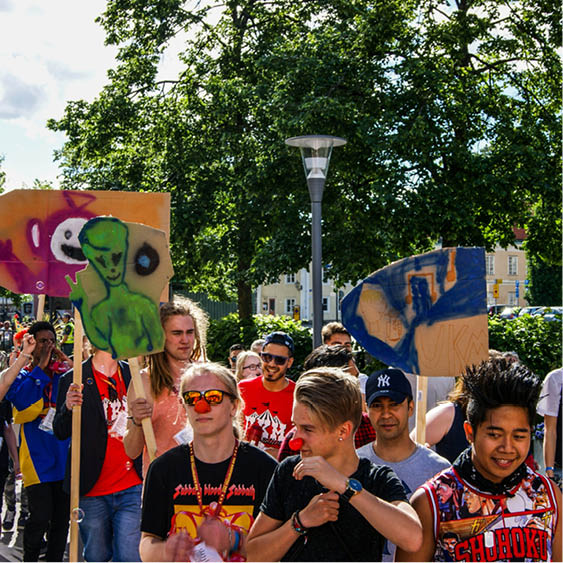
pixel 278 360
pixel 212 396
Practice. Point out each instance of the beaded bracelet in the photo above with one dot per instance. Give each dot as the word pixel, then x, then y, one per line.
pixel 297 524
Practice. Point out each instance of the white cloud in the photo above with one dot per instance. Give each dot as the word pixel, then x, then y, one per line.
pixel 51 52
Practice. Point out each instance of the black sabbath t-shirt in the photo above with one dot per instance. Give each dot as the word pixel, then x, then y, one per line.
pixel 170 499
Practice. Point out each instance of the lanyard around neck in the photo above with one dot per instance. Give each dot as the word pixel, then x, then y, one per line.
pixel 225 482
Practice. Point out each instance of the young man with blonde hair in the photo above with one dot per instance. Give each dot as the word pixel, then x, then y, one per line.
pixel 211 488
pixel 185 329
pixel 326 504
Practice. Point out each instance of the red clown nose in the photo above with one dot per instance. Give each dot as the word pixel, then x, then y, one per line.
pixel 202 406
pixel 296 444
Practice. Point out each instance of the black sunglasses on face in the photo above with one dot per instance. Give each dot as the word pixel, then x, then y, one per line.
pixel 278 360
pixel 212 396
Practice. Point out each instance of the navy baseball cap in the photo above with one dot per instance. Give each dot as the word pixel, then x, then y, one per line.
pixel 389 382
pixel 280 338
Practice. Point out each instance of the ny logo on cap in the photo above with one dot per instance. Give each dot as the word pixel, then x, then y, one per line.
pixel 383 381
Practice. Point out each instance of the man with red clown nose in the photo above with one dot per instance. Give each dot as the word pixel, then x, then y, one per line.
pixel 201 498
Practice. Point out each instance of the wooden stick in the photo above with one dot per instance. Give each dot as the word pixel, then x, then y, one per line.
pixel 40 307
pixel 75 445
pixel 421 394
pixel 150 440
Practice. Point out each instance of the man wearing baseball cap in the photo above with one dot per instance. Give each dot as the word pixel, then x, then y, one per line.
pixel 268 400
pixel 390 404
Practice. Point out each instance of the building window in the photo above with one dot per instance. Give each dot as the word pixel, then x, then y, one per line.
pixel 326 304
pixel 289 278
pixel 289 304
pixel 512 301
pixel 513 265
pixel 490 264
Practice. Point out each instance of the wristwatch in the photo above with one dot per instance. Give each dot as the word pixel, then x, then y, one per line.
pixel 353 487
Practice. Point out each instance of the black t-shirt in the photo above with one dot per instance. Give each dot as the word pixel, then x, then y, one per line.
pixel 170 495
pixel 351 537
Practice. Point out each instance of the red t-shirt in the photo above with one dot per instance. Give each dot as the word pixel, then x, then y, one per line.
pixel 271 410
pixel 118 472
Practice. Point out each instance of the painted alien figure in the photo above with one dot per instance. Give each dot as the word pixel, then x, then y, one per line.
pixel 123 322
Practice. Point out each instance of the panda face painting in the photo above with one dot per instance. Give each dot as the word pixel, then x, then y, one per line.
pixel 65 245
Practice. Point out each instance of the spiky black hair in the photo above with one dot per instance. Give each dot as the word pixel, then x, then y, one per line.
pixel 498 382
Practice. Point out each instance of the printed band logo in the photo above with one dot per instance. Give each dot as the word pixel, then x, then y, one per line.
pixel 210 490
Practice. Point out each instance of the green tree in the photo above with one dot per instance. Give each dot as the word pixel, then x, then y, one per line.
pixel 451 111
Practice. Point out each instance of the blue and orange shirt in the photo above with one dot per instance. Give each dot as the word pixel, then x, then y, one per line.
pixel 42 454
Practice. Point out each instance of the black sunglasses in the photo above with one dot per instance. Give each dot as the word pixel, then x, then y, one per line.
pixel 278 360
pixel 212 396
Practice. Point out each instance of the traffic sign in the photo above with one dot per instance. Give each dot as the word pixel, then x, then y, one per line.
pixel 495 290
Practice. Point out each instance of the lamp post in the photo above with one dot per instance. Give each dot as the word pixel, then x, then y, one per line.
pixel 315 153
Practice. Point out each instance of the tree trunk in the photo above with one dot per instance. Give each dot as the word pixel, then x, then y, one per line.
pixel 244 297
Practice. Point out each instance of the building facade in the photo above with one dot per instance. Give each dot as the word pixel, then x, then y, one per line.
pixel 292 294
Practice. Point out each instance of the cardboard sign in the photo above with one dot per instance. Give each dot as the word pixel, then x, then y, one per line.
pixel 426 314
pixel 39 232
pixel 118 293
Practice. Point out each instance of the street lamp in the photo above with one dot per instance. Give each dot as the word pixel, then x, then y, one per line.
pixel 315 153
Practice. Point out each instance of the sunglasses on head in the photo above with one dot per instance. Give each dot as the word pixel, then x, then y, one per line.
pixel 278 360
pixel 212 396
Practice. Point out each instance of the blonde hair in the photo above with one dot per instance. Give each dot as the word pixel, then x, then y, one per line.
pixel 226 377
pixel 241 359
pixel 160 376
pixel 332 395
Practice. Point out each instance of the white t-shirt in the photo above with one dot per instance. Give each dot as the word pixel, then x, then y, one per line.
pixel 550 396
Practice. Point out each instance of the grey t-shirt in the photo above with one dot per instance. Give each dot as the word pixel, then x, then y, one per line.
pixel 414 471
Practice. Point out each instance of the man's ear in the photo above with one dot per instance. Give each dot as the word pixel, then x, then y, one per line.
pixel 411 408
pixel 290 362
pixel 468 431
pixel 345 430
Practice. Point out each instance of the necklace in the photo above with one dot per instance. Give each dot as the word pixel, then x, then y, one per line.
pixel 226 482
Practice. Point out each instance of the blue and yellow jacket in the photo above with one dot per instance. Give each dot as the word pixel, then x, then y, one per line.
pixel 42 455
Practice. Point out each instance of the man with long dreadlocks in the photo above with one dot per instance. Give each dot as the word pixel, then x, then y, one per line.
pixel 507 511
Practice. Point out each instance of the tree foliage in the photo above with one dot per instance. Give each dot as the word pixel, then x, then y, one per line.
pixel 451 112
pixel 536 341
pixel 231 329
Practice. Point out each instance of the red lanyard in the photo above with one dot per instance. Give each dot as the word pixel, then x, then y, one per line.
pixel 225 482
pixel 114 382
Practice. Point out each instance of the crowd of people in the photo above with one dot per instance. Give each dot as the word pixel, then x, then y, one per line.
pixel 252 464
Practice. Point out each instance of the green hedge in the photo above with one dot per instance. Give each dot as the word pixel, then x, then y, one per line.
pixel 537 341
pixel 229 330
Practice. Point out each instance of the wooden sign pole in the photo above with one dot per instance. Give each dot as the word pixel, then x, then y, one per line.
pixel 75 445
pixel 150 440
pixel 40 307
pixel 421 394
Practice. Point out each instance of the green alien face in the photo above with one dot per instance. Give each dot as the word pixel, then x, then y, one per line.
pixel 104 243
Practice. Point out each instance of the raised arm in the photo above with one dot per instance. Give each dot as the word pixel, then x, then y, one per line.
pixel 8 376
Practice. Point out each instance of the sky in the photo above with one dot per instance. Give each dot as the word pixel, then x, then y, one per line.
pixel 51 52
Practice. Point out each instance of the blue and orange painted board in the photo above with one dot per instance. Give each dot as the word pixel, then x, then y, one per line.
pixel 426 314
